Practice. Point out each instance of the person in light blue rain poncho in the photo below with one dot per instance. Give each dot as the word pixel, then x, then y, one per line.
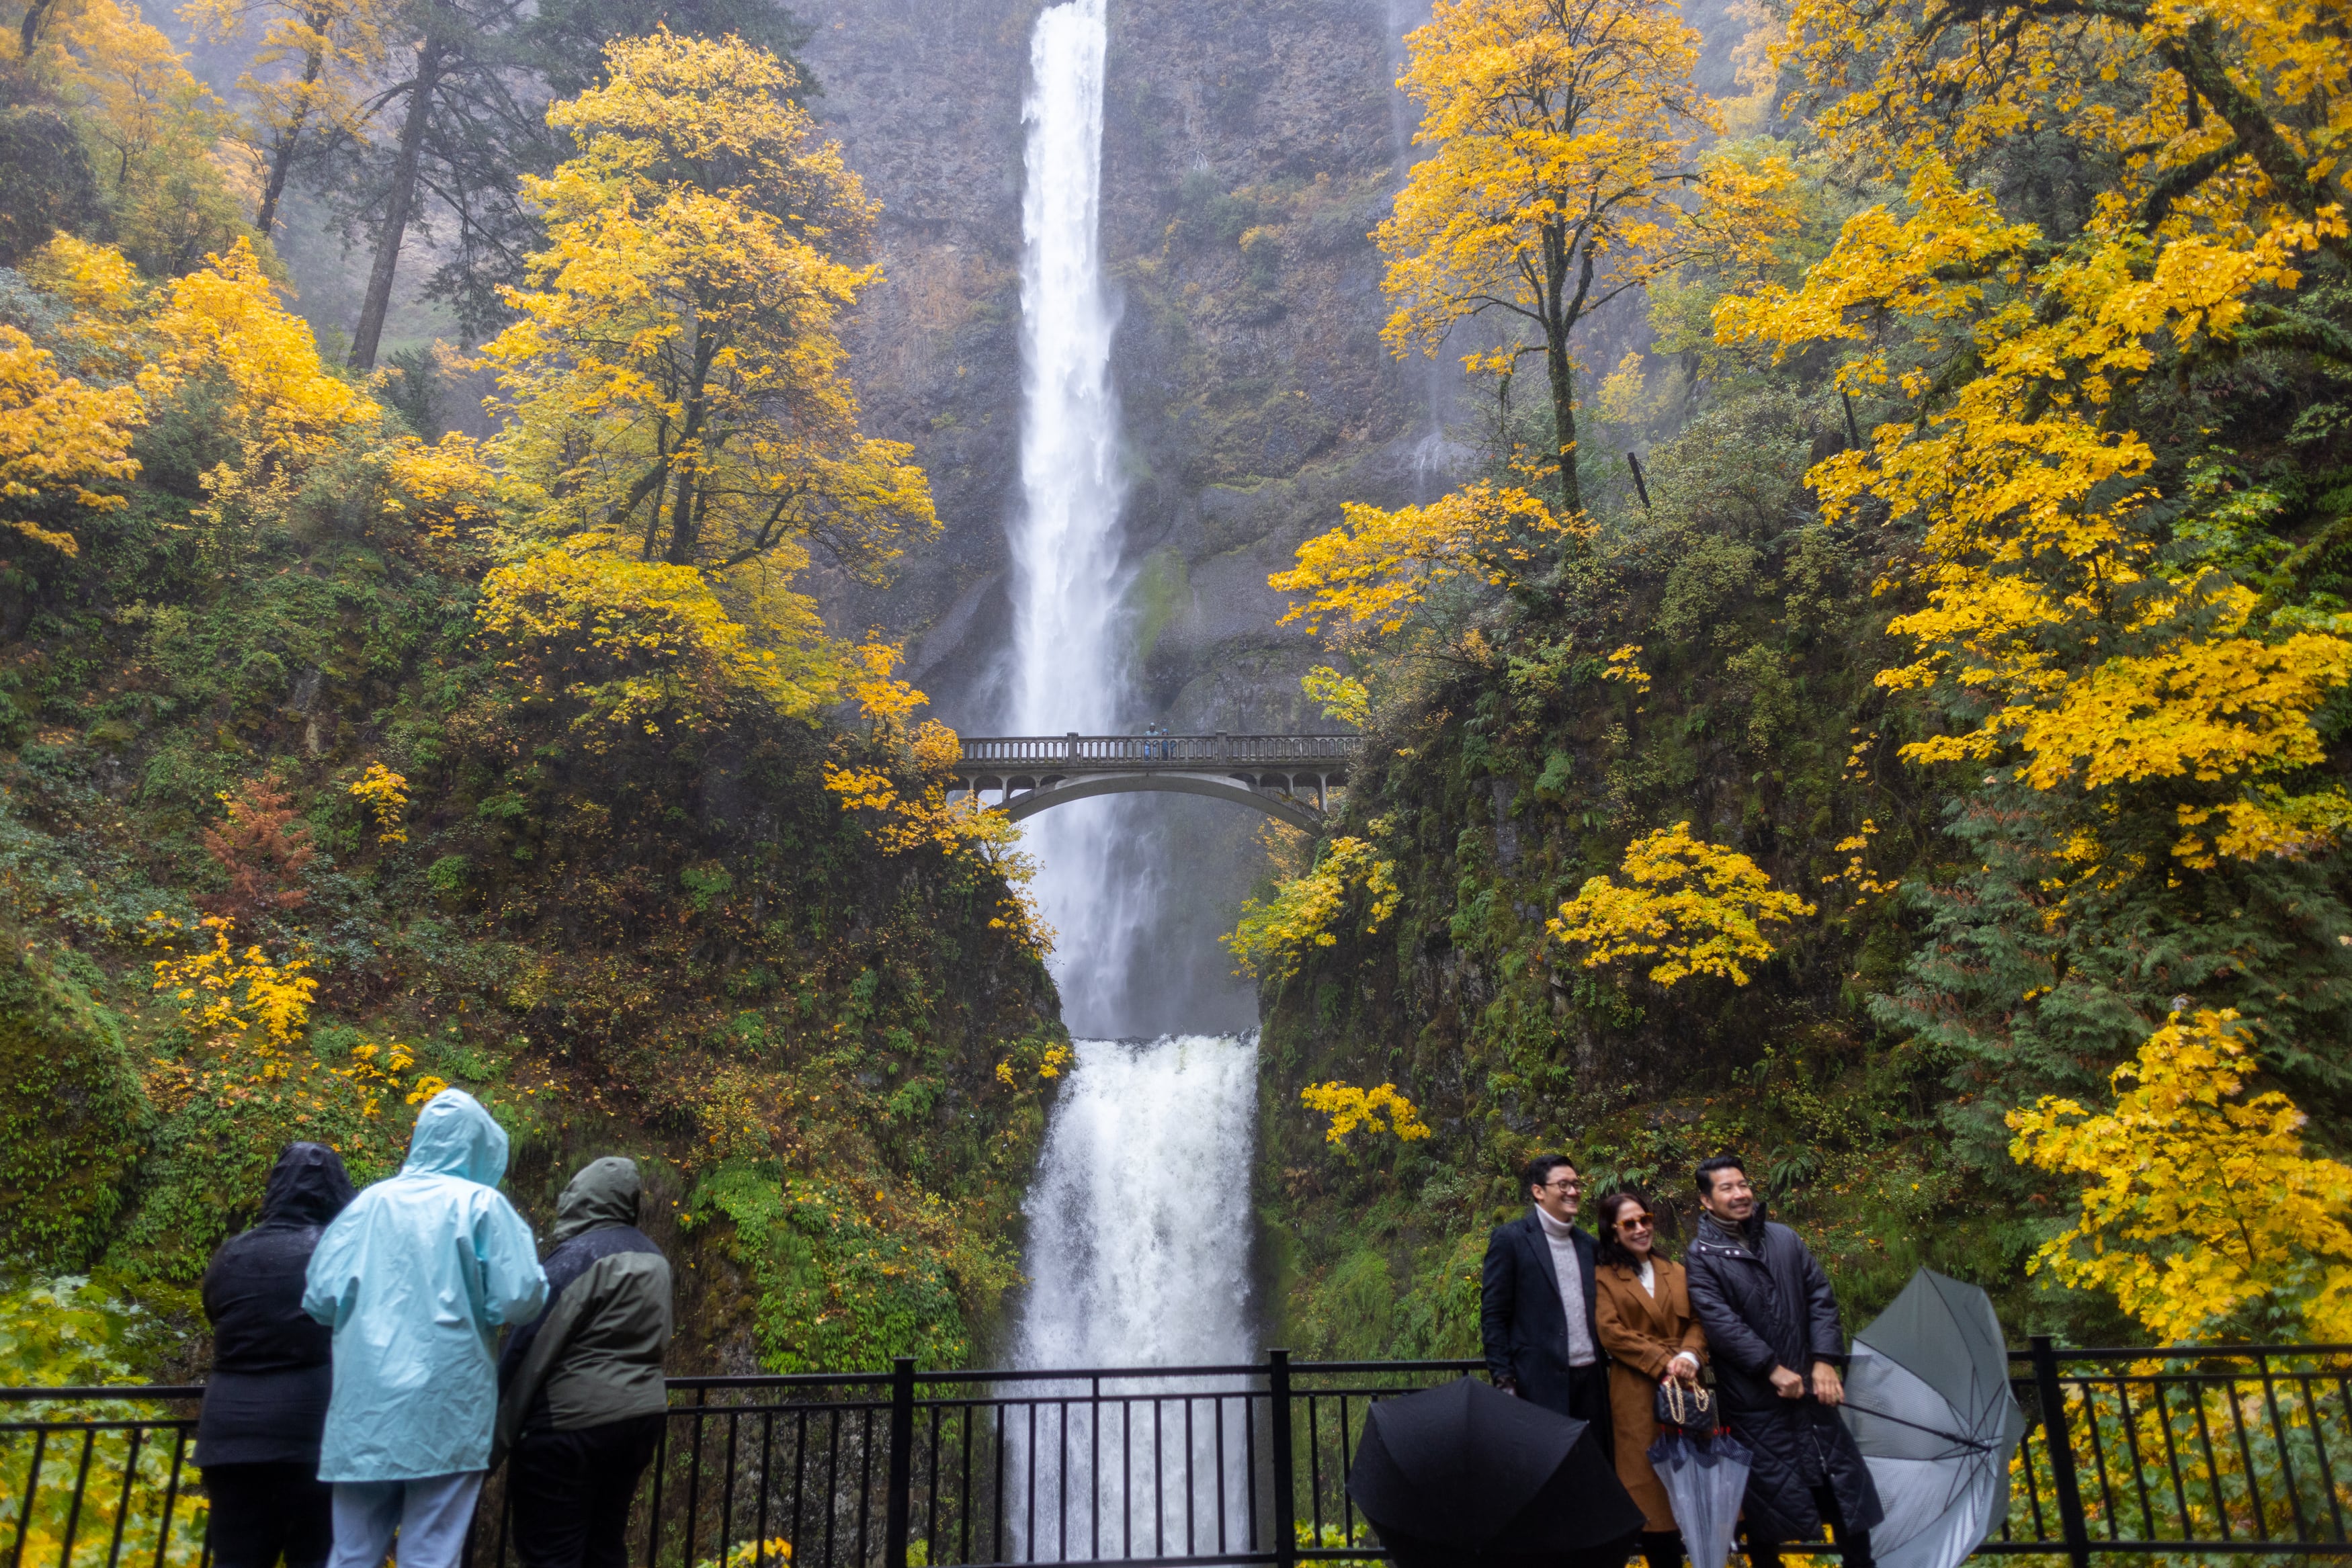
pixel 414 1278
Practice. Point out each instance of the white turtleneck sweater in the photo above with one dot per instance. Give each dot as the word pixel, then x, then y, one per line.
pixel 1580 1351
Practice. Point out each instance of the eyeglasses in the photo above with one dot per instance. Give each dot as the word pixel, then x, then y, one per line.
pixel 1634 1222
pixel 1563 1186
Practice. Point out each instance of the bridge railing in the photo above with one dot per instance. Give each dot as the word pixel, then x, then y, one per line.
pixel 1120 751
pixel 2238 1452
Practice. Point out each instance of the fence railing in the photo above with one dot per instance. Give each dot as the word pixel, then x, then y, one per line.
pixel 2238 1452
pixel 1116 753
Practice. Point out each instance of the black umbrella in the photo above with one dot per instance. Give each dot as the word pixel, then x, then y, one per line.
pixel 1463 1474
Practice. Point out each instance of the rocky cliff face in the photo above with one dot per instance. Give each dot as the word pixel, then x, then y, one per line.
pixel 1248 150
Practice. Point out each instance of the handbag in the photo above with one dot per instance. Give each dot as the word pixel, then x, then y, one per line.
pixel 1687 1409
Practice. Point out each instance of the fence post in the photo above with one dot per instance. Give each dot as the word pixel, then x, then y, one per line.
pixel 1286 1506
pixel 902 1462
pixel 2061 1443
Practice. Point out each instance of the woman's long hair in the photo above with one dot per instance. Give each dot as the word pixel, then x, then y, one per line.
pixel 1608 1248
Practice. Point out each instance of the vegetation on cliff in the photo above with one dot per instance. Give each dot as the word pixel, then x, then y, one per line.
pixel 1946 712
pixel 341 765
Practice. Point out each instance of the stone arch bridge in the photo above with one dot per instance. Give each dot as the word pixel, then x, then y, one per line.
pixel 1287 776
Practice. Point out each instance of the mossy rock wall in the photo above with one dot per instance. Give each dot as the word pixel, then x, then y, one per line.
pixel 70 1113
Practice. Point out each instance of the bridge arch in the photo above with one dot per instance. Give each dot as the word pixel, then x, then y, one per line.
pixel 1287 777
pixel 1026 803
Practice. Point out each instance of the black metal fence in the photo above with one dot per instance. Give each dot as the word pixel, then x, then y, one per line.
pixel 2226 1452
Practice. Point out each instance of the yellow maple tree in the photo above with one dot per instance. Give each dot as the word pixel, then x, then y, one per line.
pixel 2085 655
pixel 1561 173
pixel 2199 1200
pixel 58 438
pixel 1377 565
pixel 676 381
pixel 1699 908
pixel 226 320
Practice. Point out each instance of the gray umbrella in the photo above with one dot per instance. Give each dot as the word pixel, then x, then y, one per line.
pixel 1704 1478
pixel 1927 1399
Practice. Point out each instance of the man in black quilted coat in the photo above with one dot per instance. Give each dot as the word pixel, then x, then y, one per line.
pixel 1773 1332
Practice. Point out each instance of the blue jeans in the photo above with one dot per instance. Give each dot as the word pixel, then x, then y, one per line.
pixel 430 1516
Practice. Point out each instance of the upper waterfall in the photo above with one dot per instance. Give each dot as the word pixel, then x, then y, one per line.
pixel 1069 662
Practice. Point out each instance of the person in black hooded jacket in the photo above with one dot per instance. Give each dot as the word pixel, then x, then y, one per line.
pixel 1772 1331
pixel 273 1370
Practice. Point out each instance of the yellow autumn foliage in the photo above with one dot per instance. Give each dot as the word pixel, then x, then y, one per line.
pixel 224 320
pixel 385 794
pixel 1560 172
pixel 223 993
pixel 1380 1109
pixel 1342 697
pixel 675 379
pixel 1699 908
pixel 643 646
pixel 1379 566
pixel 1273 936
pixel 2014 359
pixel 2199 1200
pixel 59 437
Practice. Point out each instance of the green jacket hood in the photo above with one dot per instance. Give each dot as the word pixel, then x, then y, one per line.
pixel 605 1192
pixel 455 1136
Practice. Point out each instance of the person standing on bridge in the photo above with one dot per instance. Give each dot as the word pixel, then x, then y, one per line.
pixel 414 1278
pixel 581 1394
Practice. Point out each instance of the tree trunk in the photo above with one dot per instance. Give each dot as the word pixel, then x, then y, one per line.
pixel 399 204
pixel 1563 414
pixel 36 16
pixel 281 163
pixel 1560 318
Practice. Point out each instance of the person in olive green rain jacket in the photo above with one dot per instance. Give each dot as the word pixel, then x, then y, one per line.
pixel 580 1393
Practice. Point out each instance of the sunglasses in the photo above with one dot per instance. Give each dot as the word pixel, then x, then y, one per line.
pixel 1634 1222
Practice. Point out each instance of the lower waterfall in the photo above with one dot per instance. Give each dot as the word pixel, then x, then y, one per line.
pixel 1140 1256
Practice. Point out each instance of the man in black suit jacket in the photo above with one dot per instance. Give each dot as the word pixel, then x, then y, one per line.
pixel 1529 1302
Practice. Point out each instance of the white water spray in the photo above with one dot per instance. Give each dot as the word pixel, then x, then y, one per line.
pixel 1138 1252
pixel 1139 1221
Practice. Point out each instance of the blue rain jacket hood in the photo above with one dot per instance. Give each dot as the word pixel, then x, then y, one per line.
pixel 414 1278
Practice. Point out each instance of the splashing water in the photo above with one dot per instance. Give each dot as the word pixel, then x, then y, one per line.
pixel 1138 1252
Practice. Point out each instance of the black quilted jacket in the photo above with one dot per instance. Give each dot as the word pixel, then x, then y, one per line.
pixel 1765 1302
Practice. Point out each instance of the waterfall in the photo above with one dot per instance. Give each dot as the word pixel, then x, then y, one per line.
pixel 1139 1218
pixel 1069 664
pixel 1138 1252
pixel 1140 1221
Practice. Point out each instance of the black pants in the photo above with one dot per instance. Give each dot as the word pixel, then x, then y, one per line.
pixel 262 1513
pixel 572 1492
pixel 1662 1548
pixel 1587 1400
pixel 1855 1543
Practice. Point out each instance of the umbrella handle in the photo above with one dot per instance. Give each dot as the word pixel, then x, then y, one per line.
pixel 1931 1431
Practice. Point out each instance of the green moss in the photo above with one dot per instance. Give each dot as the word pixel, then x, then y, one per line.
pixel 1161 592
pixel 835 1292
pixel 71 1113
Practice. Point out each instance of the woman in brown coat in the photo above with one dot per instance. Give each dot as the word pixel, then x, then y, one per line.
pixel 1643 1310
